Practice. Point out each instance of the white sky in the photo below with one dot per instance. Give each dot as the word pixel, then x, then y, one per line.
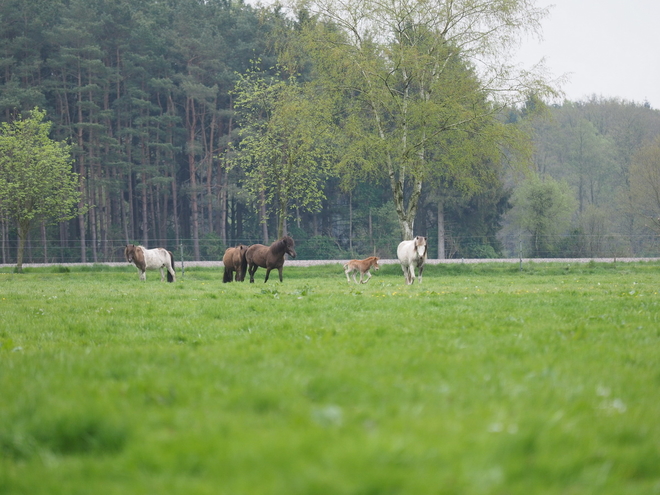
pixel 608 48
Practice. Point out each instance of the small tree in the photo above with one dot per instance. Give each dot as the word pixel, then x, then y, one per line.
pixel 543 208
pixel 645 184
pixel 286 149
pixel 37 183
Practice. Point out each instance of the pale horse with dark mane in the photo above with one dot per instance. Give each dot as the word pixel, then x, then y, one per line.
pixel 269 257
pixel 412 254
pixel 151 259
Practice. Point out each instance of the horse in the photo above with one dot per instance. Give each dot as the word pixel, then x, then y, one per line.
pixel 269 257
pixel 235 261
pixel 363 266
pixel 412 254
pixel 151 259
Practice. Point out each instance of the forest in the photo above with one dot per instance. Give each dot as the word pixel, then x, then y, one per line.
pixel 197 125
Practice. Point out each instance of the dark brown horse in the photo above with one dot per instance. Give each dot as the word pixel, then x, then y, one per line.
pixel 235 261
pixel 269 257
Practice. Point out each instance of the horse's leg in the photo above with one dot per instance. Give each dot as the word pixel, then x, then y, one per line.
pixel 419 277
pixel 267 274
pixel 411 274
pixel 143 275
pixel 162 274
pixel 280 270
pixel 368 277
pixel 346 272
pixel 252 269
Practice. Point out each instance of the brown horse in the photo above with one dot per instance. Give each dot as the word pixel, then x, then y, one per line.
pixel 362 266
pixel 151 259
pixel 269 257
pixel 235 261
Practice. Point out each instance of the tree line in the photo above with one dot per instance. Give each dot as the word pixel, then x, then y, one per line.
pixel 204 123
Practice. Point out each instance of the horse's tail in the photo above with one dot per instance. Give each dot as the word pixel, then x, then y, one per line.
pixel 170 276
pixel 244 266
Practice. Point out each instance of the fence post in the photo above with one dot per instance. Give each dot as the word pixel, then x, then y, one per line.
pixel 520 251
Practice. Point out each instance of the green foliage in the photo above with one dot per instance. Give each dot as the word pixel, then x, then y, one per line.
pixel 320 247
pixel 483 379
pixel 37 183
pixel 414 108
pixel 286 150
pixel 543 208
pixel 645 184
pixel 212 247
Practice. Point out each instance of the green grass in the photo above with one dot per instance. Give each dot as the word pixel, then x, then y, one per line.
pixel 482 380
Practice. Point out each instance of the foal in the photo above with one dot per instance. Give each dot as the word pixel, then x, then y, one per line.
pixel 363 266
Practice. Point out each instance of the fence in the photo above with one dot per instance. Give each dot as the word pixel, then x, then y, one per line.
pixel 326 247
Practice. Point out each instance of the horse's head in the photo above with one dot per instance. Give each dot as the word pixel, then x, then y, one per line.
pixel 129 252
pixel 289 246
pixel 376 265
pixel 421 246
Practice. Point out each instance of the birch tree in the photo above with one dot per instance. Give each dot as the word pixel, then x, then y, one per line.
pixel 415 71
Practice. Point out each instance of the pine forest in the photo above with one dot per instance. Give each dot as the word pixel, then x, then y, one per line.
pixel 197 125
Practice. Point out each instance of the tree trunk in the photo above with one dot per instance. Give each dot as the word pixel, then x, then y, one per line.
pixel 44 241
pixel 406 215
pixel 350 222
pixel 175 208
pixel 262 215
pixel 371 234
pixel 3 224
pixel 93 225
pixel 223 181
pixel 144 221
pixel 441 231
pixel 23 231
pixel 191 122
pixel 81 171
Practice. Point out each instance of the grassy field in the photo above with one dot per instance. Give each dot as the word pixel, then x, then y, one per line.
pixel 482 380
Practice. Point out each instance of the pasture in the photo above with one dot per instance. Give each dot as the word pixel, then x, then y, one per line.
pixel 481 380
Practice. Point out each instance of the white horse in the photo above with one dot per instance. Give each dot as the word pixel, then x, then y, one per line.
pixel 412 254
pixel 151 259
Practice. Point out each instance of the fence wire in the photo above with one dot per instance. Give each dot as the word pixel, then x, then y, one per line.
pixel 330 248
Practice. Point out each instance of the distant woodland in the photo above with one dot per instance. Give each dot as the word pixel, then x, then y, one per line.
pixel 201 124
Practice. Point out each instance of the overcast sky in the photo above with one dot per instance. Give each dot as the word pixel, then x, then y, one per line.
pixel 609 48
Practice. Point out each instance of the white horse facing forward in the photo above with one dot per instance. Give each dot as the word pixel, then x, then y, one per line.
pixel 412 254
pixel 151 259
